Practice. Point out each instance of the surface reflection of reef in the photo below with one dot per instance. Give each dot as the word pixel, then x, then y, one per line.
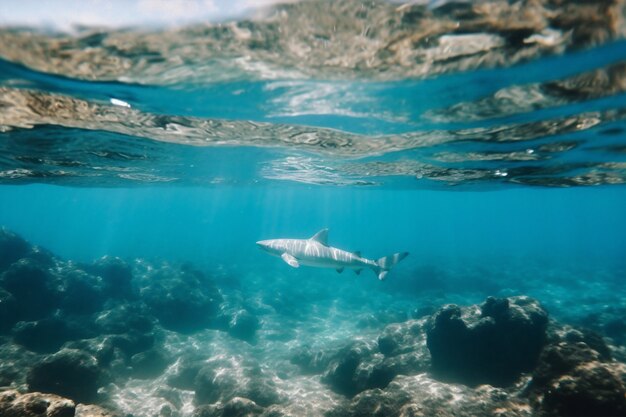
pixel 326 39
pixel 352 98
pixel 116 152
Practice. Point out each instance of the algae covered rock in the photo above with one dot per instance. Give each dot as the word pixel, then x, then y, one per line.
pixel 8 311
pixel 33 286
pixel 489 344
pixel 183 299
pixel 223 379
pixel 35 404
pixel 575 378
pixel 236 407
pixel 70 373
pixel 12 248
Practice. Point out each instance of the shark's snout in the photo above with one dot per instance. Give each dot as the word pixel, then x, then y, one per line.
pixel 263 244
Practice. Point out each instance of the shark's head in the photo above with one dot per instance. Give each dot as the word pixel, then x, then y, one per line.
pixel 273 246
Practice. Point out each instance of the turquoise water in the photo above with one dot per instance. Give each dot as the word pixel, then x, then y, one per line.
pixel 500 168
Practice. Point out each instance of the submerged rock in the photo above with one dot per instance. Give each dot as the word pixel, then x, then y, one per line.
pixel 116 276
pixel 70 373
pixel 90 410
pixel 574 379
pixel 223 379
pixel 35 404
pixel 82 293
pixel 357 368
pixel 491 344
pixel 149 364
pixel 12 248
pixel 243 325
pixel 47 335
pixel 420 395
pixel 129 318
pixel 183 299
pixel 15 361
pixel 236 407
pixel 8 311
pixel 34 287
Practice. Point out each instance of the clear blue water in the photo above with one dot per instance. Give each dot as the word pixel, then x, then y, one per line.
pixel 495 180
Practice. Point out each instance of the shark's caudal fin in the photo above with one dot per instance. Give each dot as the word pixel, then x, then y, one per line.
pixel 385 264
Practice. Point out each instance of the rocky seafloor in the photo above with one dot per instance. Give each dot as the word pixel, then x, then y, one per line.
pixel 137 338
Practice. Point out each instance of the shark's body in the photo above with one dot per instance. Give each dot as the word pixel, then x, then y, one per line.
pixel 316 252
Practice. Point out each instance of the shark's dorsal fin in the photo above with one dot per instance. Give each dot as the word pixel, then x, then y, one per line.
pixel 357 253
pixel 321 237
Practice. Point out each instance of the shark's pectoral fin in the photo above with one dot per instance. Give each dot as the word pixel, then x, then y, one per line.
pixel 340 270
pixel 358 271
pixel 291 260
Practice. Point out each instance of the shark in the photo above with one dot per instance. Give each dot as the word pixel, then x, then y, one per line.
pixel 316 252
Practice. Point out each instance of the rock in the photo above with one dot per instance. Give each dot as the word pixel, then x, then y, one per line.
pixel 236 407
pixel 243 325
pixel 34 404
pixel 84 410
pixel 41 256
pixel 12 248
pixel 34 288
pixel 185 372
pixel 400 349
pixel 492 344
pixel 116 276
pixel 47 335
pixel 14 363
pixel 573 379
pixel 149 364
pixel 70 373
pixel 182 299
pixel 356 368
pixel 125 318
pixel 419 396
pixel 311 362
pixel 8 311
pixel 587 391
pixel 82 293
pixel 223 379
pixel 401 338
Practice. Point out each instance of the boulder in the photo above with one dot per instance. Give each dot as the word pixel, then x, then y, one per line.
pixel 223 379
pixel 116 276
pixel 183 299
pixel 47 335
pixel 35 404
pixel 491 344
pixel 574 379
pixel 90 410
pixel 420 395
pixel 14 363
pixel 82 293
pixel 356 368
pixel 587 391
pixel 8 311
pixel 70 373
pixel 235 407
pixel 150 363
pixel 12 248
pixel 360 366
pixel 243 325
pixel 185 371
pixel 33 286
pixel 126 318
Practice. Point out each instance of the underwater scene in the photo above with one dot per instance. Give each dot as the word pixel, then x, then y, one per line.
pixel 314 208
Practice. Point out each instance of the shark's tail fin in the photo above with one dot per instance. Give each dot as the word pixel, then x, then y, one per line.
pixel 385 263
